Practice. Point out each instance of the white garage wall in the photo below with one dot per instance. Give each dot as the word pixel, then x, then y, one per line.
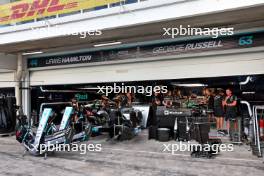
pixel 7 79
pixel 7 62
pixel 193 67
pixel 7 70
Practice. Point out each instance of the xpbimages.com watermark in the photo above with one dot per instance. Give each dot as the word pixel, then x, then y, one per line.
pixel 192 31
pixel 189 147
pixel 117 89
pixel 74 147
pixel 81 31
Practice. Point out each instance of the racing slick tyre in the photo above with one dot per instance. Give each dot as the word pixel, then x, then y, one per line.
pixel 163 134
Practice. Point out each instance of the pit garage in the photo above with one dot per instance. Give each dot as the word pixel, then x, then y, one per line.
pixel 136 102
pixel 145 152
pixel 189 67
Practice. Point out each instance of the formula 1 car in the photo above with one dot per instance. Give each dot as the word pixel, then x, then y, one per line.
pixel 122 123
pixel 37 143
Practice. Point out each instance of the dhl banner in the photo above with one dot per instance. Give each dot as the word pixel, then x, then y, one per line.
pixel 30 9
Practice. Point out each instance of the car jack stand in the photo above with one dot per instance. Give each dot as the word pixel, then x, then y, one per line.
pixel 45 156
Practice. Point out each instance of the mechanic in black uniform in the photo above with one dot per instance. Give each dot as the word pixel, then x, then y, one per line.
pixel 157 100
pixel 210 103
pixel 76 109
pixel 230 104
pixel 219 111
pixel 77 117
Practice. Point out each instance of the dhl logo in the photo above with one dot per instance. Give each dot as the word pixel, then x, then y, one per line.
pixel 37 8
pixel 30 9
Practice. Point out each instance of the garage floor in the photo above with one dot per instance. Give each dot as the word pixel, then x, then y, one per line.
pixel 139 156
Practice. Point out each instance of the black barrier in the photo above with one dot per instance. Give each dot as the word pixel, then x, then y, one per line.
pixel 7 114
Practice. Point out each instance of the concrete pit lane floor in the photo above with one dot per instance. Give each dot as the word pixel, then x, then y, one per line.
pixel 137 157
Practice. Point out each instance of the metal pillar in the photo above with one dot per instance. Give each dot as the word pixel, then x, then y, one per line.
pixel 18 78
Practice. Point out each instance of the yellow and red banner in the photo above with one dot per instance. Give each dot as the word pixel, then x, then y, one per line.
pixel 30 9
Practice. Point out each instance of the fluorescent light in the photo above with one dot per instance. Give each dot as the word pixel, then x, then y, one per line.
pixel 246 93
pixel 89 88
pixel 32 53
pixel 190 85
pixel 108 44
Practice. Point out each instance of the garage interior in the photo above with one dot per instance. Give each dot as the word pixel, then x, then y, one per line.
pixel 249 88
pixel 55 88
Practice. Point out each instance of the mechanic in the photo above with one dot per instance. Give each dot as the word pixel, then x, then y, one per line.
pixel 130 99
pixel 177 95
pixel 230 104
pixel 121 100
pixel 209 96
pixel 219 111
pixel 105 103
pixel 157 99
pixel 78 111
